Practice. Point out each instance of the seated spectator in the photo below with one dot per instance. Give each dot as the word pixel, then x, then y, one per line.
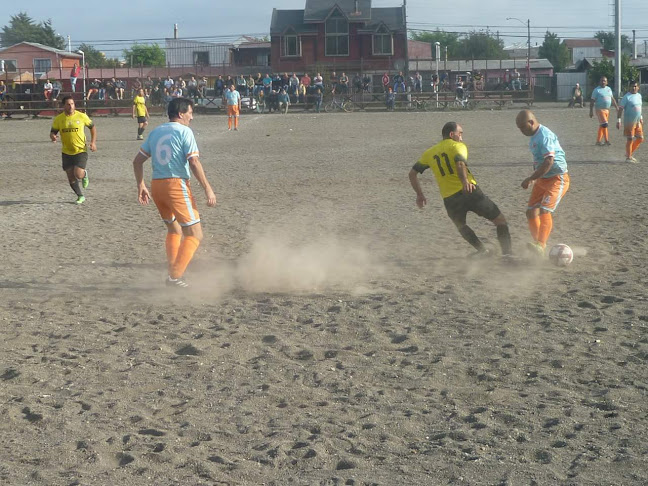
pixel 47 90
pixel 241 85
pixel 293 85
pixel 249 84
pixel 148 86
pixel 390 99
pixel 192 88
pixel 261 104
pixel 276 83
pixel 267 84
pixel 357 83
pixel 120 86
pixel 258 83
pixel 57 88
pixel 301 93
pixel 399 82
pixel 343 84
pixel 94 89
pixel 306 81
pixel 577 96
pixel 318 81
pixel 516 83
pixel 284 101
pixel 202 87
pixel 3 90
pixel 219 86
pixel 285 81
pixel 272 101
pixel 168 84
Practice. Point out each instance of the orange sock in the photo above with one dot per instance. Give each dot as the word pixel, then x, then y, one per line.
pixel 601 133
pixel 229 122
pixel 186 252
pixel 546 224
pixel 629 147
pixel 534 227
pixel 635 143
pixel 172 244
pixel 236 122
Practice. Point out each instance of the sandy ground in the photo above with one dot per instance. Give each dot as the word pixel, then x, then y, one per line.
pixel 334 333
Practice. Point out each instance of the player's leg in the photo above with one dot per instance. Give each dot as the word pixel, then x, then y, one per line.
pixel 184 208
pixel 229 117
pixel 457 208
pixel 554 190
pixel 236 117
pixel 638 133
pixel 481 204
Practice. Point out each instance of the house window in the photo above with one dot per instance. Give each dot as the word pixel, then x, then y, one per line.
pixel 383 44
pixel 201 58
pixel 42 66
pixel 337 35
pixel 10 65
pixel 291 45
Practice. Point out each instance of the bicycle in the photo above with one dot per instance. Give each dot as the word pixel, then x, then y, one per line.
pixel 417 105
pixel 336 104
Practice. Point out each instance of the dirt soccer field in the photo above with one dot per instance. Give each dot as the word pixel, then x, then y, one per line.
pixel 334 333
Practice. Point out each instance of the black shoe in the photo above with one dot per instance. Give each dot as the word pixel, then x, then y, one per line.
pixel 176 282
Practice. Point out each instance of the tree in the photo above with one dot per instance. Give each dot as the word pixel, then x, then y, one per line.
pixel 606 68
pixel 446 39
pixel 145 55
pixel 608 39
pixel 22 28
pixel 481 45
pixel 555 51
pixel 97 59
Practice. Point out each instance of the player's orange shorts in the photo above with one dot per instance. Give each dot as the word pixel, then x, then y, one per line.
pixel 547 193
pixel 174 201
pixel 633 130
pixel 232 110
pixel 603 116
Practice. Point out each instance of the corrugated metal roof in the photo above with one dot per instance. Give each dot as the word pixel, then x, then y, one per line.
pixel 571 43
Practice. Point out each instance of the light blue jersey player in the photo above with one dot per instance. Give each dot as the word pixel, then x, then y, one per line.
pixel 630 108
pixel 543 144
pixel 602 99
pixel 170 146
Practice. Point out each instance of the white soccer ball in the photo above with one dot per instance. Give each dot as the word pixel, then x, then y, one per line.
pixel 561 255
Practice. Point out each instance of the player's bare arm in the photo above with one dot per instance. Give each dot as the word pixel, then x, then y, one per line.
pixel 462 172
pixel 199 173
pixel 93 138
pixel 418 168
pixel 619 114
pixel 143 195
pixel 592 108
pixel 53 134
pixel 539 172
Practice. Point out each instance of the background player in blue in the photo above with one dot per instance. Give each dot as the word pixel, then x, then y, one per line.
pixel 630 108
pixel 174 151
pixel 602 99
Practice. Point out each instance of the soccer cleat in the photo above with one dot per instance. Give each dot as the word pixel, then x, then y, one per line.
pixel 176 282
pixel 536 249
pixel 235 129
pixel 599 144
pixel 631 160
pixel 607 142
pixel 80 200
pixel 140 137
pixel 480 254
pixel 85 181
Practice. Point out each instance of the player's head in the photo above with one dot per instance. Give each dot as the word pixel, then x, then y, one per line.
pixel 452 130
pixel 231 88
pixel 603 81
pixel 68 104
pixel 181 110
pixel 140 92
pixel 527 122
pixel 633 87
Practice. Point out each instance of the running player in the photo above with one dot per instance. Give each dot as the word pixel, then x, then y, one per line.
pixel 550 179
pixel 602 99
pixel 174 151
pixel 71 124
pixel 233 107
pixel 630 108
pixel 458 187
pixel 139 108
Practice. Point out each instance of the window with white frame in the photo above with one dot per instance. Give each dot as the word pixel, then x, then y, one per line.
pixel 337 35
pixel 42 66
pixel 383 42
pixel 10 65
pixel 291 44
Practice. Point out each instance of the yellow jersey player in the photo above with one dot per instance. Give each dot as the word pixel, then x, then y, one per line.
pixel 459 190
pixel 71 125
pixel 140 109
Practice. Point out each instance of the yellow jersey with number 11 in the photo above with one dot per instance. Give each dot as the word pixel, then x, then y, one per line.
pixel 442 160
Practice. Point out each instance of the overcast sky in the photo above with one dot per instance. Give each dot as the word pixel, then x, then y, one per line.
pixel 106 25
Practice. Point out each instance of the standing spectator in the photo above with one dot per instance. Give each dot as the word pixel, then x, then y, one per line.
pixel 630 108
pixel 74 74
pixel 140 109
pixel 285 81
pixel 284 101
pixel 385 82
pixel 435 83
pixel 517 83
pixel 233 99
pixel 102 90
pixel 343 83
pixel 258 83
pixel 357 83
pixel 47 90
pixel 411 83
pixel 418 82
pixel 219 86
pixel 390 99
pixel 399 82
pixel 71 124
pixel 306 81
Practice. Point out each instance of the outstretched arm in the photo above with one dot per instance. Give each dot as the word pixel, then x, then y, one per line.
pixel 143 195
pixel 421 201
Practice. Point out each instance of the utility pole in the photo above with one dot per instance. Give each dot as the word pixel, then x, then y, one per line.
pixel 406 40
pixel 617 56
pixel 529 54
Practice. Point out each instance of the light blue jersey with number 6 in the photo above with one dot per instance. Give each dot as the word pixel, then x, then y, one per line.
pixel 170 147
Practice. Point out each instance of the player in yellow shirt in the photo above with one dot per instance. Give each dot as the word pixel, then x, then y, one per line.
pixel 459 190
pixel 139 108
pixel 71 125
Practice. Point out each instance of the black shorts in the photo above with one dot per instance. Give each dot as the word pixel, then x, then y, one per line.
pixel 460 203
pixel 77 160
pixel 141 119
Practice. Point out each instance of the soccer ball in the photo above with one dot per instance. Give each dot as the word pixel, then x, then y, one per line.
pixel 561 255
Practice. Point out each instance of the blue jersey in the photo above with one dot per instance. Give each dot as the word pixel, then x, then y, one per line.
pixel 544 143
pixel 170 146
pixel 602 98
pixel 233 97
pixel 631 104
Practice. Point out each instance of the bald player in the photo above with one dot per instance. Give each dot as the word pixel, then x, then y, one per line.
pixel 549 180
pixel 602 99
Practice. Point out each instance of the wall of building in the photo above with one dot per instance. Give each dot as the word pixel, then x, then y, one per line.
pixel 180 52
